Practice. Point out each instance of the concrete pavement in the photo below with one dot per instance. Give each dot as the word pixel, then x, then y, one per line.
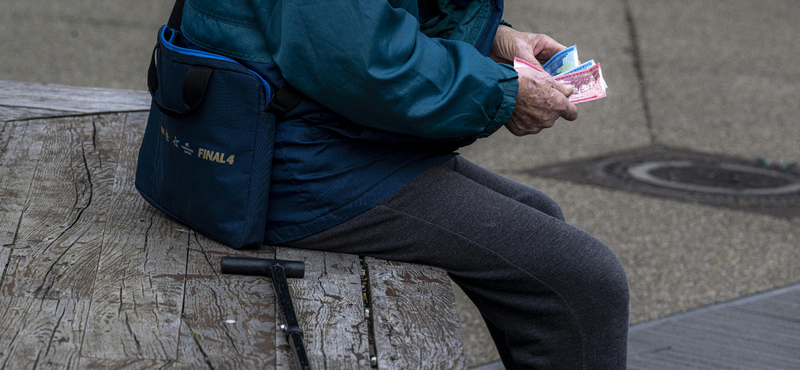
pixel 711 76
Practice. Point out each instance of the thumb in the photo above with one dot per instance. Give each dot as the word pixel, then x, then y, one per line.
pixel 564 89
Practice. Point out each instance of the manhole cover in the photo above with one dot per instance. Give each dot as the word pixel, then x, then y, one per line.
pixel 694 177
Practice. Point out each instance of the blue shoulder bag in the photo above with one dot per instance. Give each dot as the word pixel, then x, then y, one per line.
pixel 206 154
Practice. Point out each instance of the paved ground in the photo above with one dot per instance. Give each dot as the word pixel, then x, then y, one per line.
pixel 759 332
pixel 712 76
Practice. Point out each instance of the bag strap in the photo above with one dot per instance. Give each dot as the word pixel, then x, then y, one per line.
pixel 176 15
pixel 284 99
pixel 194 88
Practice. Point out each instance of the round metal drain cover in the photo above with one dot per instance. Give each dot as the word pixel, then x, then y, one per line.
pixel 718 178
pixel 693 177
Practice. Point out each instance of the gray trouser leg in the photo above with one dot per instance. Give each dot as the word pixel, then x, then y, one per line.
pixel 553 296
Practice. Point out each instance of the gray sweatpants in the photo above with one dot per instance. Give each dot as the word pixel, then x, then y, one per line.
pixel 553 296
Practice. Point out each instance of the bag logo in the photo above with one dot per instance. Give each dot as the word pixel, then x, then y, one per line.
pixel 202 153
pixel 213 156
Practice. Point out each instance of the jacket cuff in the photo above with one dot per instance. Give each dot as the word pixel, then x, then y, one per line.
pixel 504 23
pixel 510 86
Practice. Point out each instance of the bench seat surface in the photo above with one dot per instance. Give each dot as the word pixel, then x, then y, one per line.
pixel 91 276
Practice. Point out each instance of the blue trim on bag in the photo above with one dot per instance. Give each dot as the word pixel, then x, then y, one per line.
pixel 204 54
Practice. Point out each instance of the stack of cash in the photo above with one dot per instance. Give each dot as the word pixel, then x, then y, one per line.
pixel 586 79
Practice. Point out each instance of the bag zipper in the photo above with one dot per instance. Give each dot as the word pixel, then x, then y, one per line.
pixel 204 54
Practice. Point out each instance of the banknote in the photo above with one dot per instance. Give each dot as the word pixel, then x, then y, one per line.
pixel 587 83
pixel 585 66
pixel 578 68
pixel 564 61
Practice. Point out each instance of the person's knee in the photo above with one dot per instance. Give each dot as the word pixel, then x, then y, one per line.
pixel 606 279
pixel 547 205
pixel 553 209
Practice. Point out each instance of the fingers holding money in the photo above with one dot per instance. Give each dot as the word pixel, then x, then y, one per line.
pixel 571 110
pixel 540 102
pixel 510 43
pixel 565 89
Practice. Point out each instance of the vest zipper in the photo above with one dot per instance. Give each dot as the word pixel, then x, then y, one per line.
pixel 488 24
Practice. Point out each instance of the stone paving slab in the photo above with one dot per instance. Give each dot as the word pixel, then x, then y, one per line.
pixel 722 76
pixel 758 332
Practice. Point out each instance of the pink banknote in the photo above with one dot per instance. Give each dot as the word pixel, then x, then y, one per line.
pixel 587 84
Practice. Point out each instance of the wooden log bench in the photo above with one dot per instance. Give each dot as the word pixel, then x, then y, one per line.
pixel 92 277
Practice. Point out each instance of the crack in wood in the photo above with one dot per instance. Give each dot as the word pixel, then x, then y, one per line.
pixel 36 363
pixel 103 232
pixel 5 268
pixel 147 238
pixel 158 338
pixel 366 296
pixel 55 328
pixel 225 328
pixel 168 363
pixel 78 196
pixel 130 330
pixel 7 142
pixel 46 292
pixel 73 115
pixel 199 346
pixel 94 137
pixel 182 314
pixel 205 255
pixel 316 317
pixel 19 222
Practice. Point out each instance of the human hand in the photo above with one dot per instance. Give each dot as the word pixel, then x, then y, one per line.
pixel 533 47
pixel 541 100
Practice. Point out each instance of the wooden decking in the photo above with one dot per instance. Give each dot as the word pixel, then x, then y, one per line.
pixel 93 277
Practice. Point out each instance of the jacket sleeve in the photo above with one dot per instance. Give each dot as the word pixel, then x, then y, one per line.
pixel 368 62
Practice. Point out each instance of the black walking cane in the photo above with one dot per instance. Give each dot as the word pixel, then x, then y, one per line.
pixel 278 270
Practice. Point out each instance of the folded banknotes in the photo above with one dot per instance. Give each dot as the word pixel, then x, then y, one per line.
pixel 586 79
pixel 563 62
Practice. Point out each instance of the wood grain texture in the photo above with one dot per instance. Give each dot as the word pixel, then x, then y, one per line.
pixel 5 252
pixel 228 320
pixel 414 318
pixel 329 307
pixel 42 334
pixel 57 241
pixel 71 99
pixel 17 113
pixel 138 292
pixel 122 364
pixel 20 150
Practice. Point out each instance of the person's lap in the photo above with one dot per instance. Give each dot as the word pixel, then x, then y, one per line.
pixel 552 295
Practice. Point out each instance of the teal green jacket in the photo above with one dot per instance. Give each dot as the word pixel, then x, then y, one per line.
pixel 393 87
